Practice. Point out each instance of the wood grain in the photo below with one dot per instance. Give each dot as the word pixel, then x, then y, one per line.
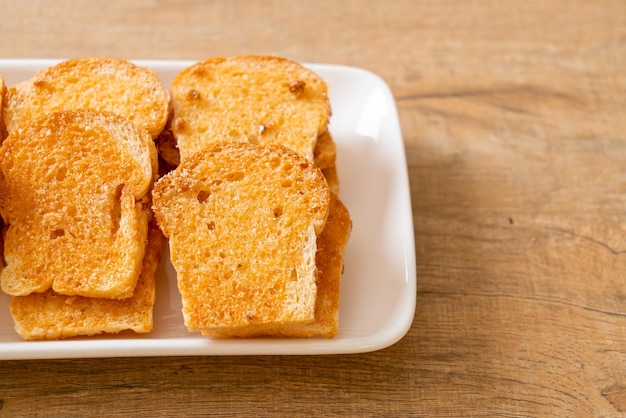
pixel 513 121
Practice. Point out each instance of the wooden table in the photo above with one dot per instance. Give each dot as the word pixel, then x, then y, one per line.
pixel 513 121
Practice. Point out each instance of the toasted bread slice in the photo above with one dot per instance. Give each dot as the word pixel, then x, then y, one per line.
pixel 74 193
pixel 51 316
pixel 258 99
pixel 100 83
pixel 329 260
pixel 242 222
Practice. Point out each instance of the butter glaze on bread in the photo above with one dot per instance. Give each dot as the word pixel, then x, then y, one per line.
pixel 259 99
pixel 242 222
pixel 51 316
pixel 74 193
pixel 99 83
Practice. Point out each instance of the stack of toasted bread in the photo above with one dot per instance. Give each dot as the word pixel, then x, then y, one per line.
pixel 76 172
pixel 248 198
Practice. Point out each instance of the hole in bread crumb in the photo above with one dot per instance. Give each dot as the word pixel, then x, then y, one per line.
pixel 57 233
pixel 203 195
pixel 294 275
pixel 277 211
pixel 253 139
pixel 211 226
pixel 275 162
pixel 234 133
pixel 222 255
pixel 116 208
pixel 286 183
pixel 235 176
pixel 61 173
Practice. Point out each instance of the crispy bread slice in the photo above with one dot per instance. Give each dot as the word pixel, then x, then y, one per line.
pixel 99 83
pixel 242 222
pixel 260 99
pixel 74 193
pixel 51 316
pixel 329 260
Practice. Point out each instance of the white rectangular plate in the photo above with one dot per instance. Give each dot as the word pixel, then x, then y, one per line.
pixel 378 288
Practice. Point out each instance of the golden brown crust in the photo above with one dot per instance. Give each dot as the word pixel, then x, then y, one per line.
pixel 242 221
pixel 252 98
pixel 99 83
pixel 51 316
pixel 329 258
pixel 73 186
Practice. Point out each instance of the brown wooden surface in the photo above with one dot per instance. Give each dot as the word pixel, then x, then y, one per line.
pixel 513 119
